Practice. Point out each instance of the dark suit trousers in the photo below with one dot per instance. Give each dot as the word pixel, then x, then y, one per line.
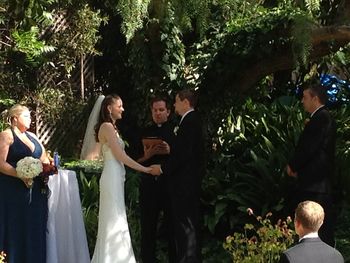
pixel 185 218
pixel 327 229
pixel 153 200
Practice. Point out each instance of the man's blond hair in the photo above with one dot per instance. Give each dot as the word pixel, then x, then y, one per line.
pixel 310 214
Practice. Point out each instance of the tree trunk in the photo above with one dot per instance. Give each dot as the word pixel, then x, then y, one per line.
pixel 82 86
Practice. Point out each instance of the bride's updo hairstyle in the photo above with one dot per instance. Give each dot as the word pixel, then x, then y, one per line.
pixel 105 115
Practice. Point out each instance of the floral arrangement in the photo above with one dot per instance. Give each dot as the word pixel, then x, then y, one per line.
pixel 2 257
pixel 176 129
pixel 48 169
pixel 28 168
pixel 262 243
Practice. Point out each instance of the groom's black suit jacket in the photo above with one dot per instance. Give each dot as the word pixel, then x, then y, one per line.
pixel 185 169
pixel 311 250
pixel 314 155
pixel 185 166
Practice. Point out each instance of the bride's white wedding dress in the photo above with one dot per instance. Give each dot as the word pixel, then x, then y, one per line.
pixel 113 244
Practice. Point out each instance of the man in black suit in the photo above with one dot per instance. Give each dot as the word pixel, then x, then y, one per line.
pixel 308 219
pixel 313 160
pixel 185 169
pixel 154 197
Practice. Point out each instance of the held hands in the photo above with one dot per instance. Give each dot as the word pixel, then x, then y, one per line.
pixel 156 171
pixel 153 170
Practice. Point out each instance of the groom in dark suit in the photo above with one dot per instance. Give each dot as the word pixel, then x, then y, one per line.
pixel 313 161
pixel 185 169
pixel 311 249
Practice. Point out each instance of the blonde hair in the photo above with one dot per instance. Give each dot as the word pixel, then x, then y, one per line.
pixel 15 111
pixel 310 214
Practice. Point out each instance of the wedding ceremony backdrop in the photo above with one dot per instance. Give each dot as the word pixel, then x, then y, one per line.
pixel 246 58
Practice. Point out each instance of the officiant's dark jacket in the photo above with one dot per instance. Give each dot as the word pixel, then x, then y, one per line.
pixel 311 250
pixel 185 169
pixel 314 155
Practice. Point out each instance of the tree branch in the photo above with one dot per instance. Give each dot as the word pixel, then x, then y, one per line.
pixel 324 41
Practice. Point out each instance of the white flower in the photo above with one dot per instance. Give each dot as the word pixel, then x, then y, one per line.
pixel 29 167
pixel 176 129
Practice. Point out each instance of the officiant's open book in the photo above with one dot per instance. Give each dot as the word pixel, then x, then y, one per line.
pixel 151 141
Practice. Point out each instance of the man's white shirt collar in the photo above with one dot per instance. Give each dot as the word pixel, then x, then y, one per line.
pixel 310 235
pixel 183 116
pixel 312 114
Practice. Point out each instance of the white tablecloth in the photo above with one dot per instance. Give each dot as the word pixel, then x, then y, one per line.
pixel 66 237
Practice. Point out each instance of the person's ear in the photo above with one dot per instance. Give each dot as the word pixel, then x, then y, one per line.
pixel 187 102
pixel 109 108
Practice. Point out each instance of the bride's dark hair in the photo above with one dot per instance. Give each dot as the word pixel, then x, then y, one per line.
pixel 105 115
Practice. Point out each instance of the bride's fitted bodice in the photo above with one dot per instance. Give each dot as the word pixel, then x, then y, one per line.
pixel 111 163
pixel 107 152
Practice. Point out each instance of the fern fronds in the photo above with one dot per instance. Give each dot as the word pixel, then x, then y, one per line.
pixel 313 6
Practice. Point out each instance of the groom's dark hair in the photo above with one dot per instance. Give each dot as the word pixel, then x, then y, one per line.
pixel 104 115
pixel 190 95
pixel 316 89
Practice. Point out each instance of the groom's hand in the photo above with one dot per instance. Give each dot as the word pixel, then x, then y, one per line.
pixel 156 170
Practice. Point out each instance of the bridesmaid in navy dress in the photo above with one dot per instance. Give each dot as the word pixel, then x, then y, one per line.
pixel 23 212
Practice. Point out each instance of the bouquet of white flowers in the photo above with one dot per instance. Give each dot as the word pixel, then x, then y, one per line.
pixel 28 168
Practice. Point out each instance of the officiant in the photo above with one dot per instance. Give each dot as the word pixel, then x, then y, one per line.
pixel 154 198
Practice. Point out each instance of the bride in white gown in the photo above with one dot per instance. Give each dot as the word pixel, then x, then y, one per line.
pixel 113 244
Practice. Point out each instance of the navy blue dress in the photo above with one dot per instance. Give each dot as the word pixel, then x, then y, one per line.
pixel 23 215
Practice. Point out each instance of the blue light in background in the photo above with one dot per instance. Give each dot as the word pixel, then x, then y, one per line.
pixel 338 90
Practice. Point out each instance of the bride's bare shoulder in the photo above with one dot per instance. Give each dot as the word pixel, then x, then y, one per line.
pixel 106 126
pixel 106 131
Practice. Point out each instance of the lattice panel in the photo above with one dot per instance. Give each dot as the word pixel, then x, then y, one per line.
pixel 65 137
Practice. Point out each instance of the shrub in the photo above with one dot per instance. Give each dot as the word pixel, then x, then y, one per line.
pixel 260 243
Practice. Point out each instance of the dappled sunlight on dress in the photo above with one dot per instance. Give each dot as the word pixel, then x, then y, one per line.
pixel 113 244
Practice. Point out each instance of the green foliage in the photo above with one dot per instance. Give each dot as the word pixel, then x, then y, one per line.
pixel 85 25
pixel 28 43
pixel 192 14
pixel 260 243
pixel 75 40
pixel 173 61
pixel 342 180
pixel 250 150
pixel 342 232
pixel 313 6
pixel 57 105
pixel 89 194
pixel 252 31
pixel 85 166
pixel 5 104
pixel 133 12
pixel 301 45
